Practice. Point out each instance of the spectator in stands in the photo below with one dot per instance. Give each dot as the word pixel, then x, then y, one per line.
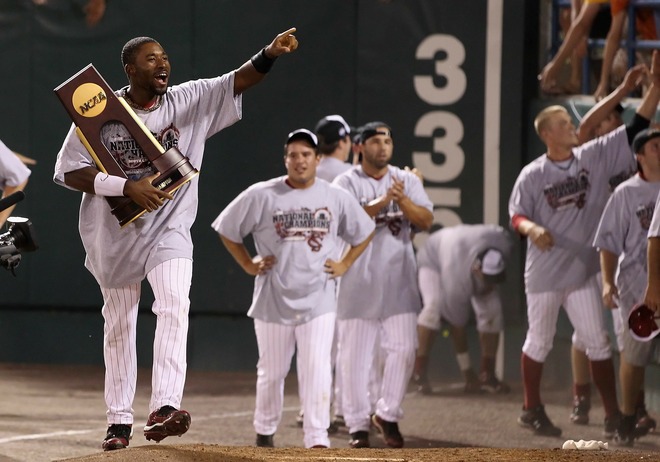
pixel 573 46
pixel 645 30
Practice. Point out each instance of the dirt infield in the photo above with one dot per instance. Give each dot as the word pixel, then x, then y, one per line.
pixel 57 413
pixel 203 453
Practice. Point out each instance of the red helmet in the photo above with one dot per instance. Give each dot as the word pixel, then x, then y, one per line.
pixel 642 323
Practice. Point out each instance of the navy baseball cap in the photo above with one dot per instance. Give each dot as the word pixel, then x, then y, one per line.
pixel 373 129
pixel 643 137
pixel 331 129
pixel 492 266
pixel 302 134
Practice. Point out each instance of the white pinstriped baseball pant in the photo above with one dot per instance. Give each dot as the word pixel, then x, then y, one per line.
pixel 584 309
pixel 357 337
pixel 170 282
pixel 277 344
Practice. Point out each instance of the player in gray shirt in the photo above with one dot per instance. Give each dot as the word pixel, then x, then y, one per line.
pixel 157 245
pixel 299 224
pixel 460 267
pixel 556 203
pixel 622 240
pixel 379 295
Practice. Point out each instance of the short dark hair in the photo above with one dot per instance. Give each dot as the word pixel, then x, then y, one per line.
pixel 132 46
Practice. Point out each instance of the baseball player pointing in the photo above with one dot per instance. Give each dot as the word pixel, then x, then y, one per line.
pixel 157 246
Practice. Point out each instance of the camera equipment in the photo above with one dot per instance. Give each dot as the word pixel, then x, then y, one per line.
pixel 19 238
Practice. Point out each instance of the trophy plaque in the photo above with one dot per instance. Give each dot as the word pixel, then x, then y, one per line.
pixel 92 104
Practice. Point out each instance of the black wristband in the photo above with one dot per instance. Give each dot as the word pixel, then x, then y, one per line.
pixel 261 62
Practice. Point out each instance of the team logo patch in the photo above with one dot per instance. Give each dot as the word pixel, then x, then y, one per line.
pixel 571 192
pixel 303 225
pixel 644 214
pixel 129 154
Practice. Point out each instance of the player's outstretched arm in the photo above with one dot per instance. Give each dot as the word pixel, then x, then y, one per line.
pixel 649 104
pixel 591 120
pixel 254 70
pixel 252 266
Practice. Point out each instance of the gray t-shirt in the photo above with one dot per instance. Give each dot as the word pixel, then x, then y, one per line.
pixel 568 201
pixel 190 113
pixel 622 231
pixel 452 252
pixel 330 168
pixel 383 281
pixel 12 171
pixel 302 228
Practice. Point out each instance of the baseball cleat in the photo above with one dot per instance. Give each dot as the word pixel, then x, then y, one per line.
pixel 117 437
pixel 580 413
pixel 537 420
pixel 166 421
pixel 389 431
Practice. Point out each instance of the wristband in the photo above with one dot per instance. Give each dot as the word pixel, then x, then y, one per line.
pixel 261 62
pixel 109 185
pixel 463 360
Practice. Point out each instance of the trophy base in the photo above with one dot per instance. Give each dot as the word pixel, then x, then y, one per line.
pixel 177 171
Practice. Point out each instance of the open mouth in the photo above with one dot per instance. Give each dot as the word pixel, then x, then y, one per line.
pixel 161 78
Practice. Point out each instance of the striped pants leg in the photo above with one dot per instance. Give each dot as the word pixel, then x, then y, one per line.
pixel 399 342
pixel 120 309
pixel 170 282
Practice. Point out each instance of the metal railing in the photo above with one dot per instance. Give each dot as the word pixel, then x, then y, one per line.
pixel 631 43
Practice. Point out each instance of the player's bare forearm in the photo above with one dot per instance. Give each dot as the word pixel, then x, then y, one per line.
pixel 652 295
pixel 419 216
pixel 608 264
pixel 376 205
pixel 540 237
pixel 247 75
pixel 82 179
pixel 338 268
pixel 649 104
pixel 600 111
pixel 240 254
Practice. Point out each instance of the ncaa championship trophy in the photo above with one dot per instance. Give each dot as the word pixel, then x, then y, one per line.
pixel 91 104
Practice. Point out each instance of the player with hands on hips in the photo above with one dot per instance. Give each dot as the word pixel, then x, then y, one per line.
pixel 158 245
pixel 556 202
pixel 300 225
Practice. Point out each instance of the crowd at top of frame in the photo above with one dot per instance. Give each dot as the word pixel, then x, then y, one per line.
pixel 594 42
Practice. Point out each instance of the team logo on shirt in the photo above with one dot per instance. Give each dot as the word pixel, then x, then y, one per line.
pixel 619 178
pixel 390 216
pixel 571 192
pixel 644 214
pixel 303 225
pixel 128 154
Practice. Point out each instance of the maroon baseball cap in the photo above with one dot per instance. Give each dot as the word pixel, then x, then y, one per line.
pixel 642 322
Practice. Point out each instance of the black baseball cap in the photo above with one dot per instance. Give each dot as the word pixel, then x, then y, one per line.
pixel 373 129
pixel 302 134
pixel 331 129
pixel 643 137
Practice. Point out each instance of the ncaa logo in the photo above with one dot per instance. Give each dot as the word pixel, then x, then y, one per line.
pixel 89 100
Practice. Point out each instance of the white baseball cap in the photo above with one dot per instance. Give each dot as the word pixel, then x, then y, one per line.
pixel 492 266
